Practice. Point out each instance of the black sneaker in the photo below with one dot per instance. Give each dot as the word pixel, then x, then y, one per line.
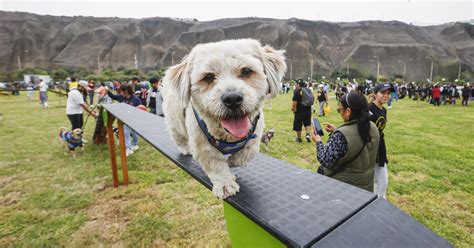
pixel 298 140
pixel 308 138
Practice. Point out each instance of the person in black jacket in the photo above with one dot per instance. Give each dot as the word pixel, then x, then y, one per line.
pixel 378 115
pixel 466 93
pixel 302 113
pixel 322 99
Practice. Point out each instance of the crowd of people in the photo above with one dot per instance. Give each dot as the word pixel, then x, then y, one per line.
pixel 145 95
pixel 356 152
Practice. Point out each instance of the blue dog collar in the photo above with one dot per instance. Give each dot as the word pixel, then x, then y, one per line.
pixel 224 147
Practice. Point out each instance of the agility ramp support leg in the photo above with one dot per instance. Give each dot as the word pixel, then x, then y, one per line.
pixel 111 141
pixel 244 232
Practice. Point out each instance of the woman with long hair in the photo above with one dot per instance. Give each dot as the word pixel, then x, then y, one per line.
pixel 349 155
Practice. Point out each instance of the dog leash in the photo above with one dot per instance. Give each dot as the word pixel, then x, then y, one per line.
pixel 92 110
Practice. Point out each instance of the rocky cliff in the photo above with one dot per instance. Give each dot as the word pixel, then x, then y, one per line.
pixel 59 41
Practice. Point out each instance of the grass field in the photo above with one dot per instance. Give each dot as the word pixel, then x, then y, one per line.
pixel 48 198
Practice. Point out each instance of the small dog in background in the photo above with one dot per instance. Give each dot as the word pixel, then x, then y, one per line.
pixel 266 137
pixel 72 139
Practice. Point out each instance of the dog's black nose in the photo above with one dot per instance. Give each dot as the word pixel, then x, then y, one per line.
pixel 232 99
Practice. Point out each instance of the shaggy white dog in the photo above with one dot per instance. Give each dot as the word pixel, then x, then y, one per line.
pixel 213 105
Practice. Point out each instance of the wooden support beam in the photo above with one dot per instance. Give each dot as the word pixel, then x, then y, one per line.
pixel 123 155
pixel 111 141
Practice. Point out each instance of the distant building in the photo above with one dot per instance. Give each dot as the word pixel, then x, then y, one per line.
pixel 29 78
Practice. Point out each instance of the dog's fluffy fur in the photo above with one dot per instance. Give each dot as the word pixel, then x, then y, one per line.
pixel 76 141
pixel 186 86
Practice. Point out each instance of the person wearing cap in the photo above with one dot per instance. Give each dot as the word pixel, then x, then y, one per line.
pixel 76 104
pixel 154 98
pixel 378 115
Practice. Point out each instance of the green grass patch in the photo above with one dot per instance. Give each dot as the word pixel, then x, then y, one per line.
pixel 49 199
pixel 144 230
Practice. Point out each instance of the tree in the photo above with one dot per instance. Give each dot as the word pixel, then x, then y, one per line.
pixel 59 74
pixel 18 74
pixel 7 76
pixel 396 77
pixel 466 75
pixel 156 74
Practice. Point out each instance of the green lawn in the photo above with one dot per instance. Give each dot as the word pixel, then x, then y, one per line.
pixel 48 198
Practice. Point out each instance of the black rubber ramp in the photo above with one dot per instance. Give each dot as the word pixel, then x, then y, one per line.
pixel 299 207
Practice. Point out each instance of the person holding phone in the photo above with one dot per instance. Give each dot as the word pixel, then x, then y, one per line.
pixel 349 155
pixel 378 115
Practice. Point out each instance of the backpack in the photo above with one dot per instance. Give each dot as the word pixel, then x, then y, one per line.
pixel 307 97
pixel 456 93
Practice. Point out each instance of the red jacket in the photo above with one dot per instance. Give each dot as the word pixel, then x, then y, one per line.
pixel 436 92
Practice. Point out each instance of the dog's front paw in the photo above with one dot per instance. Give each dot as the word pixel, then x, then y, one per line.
pixel 225 188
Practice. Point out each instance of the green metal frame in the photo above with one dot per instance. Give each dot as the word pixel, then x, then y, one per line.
pixel 244 232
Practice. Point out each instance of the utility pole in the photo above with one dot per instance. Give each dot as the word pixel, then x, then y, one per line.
pixel 459 71
pixel 99 69
pixel 431 70
pixel 347 71
pixel 19 59
pixel 136 62
pixel 311 66
pixel 172 58
pixel 19 62
pixel 378 68
pixel 291 69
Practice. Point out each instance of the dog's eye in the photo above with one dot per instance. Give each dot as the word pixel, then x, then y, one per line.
pixel 209 78
pixel 245 72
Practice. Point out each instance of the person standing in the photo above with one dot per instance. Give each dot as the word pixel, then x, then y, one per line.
pixel 436 92
pixel 322 100
pixel 30 90
pixel 154 100
pixel 350 153
pixel 465 93
pixel 43 90
pixel 91 91
pixel 302 112
pixel 378 115
pixel 75 104
pixel 126 95
pixel 135 82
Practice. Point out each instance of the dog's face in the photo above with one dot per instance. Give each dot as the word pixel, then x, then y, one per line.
pixel 228 80
pixel 270 133
pixel 77 133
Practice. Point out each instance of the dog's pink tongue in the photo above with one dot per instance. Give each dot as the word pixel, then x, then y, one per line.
pixel 239 128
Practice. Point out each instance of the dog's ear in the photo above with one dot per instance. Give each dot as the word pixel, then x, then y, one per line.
pixel 275 67
pixel 178 76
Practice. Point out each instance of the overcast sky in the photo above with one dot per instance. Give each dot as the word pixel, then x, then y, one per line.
pixel 420 12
